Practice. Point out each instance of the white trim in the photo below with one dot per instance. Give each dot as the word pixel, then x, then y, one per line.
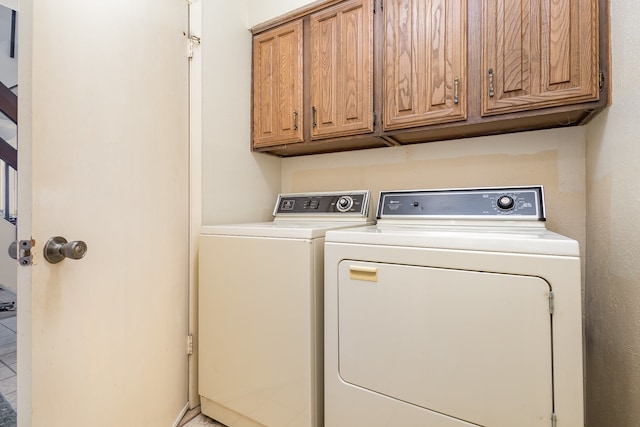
pixel 195 185
pixel 24 348
pixel 176 423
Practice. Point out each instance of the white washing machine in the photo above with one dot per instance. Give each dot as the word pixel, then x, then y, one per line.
pixel 459 308
pixel 261 312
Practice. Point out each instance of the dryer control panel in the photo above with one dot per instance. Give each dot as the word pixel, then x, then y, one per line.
pixel 347 203
pixel 516 203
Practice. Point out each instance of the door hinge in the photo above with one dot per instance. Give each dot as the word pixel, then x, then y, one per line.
pixel 601 81
pixel 551 301
pixel 554 420
pixel 374 6
pixel 189 344
pixel 193 41
pixel 375 118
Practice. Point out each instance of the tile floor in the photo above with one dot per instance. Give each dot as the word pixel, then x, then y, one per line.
pixel 8 361
pixel 202 420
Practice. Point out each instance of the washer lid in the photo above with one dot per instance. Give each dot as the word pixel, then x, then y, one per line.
pixel 527 240
pixel 294 229
pixel 304 216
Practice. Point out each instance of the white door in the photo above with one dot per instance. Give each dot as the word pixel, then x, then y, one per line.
pixel 104 158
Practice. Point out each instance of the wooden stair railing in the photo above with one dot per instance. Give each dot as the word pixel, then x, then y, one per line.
pixel 9 107
pixel 8 154
pixel 8 103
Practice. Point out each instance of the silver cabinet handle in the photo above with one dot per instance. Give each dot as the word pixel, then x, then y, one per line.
pixel 491 90
pixel 456 85
pixel 57 248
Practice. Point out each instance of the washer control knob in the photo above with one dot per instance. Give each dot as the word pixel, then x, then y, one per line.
pixel 344 204
pixel 506 203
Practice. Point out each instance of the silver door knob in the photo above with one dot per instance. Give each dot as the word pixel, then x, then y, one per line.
pixel 57 248
pixel 13 250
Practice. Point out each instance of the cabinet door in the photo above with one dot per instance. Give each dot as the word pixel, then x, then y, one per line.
pixel 342 70
pixel 277 86
pixel 539 53
pixel 425 54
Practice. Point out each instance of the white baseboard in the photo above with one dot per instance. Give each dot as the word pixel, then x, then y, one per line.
pixel 184 411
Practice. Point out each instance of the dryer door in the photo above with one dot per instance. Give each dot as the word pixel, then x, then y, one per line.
pixel 471 345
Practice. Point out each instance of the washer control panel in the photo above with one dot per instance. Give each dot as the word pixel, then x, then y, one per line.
pixel 522 203
pixel 336 203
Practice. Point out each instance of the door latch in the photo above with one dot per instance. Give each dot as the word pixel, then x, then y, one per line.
pixel 22 252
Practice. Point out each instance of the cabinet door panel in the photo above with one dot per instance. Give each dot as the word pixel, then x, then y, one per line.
pixel 539 53
pixel 277 80
pixel 342 70
pixel 424 62
pixel 559 17
pixel 325 79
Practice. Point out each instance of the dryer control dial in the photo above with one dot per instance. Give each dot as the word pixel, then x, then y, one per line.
pixel 506 203
pixel 344 204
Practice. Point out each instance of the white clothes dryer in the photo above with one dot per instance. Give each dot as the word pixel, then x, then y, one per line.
pixel 261 311
pixel 459 308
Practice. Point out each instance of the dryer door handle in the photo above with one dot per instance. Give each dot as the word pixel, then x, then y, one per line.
pixel 360 272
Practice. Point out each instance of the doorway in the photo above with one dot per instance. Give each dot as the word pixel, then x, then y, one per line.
pixel 8 212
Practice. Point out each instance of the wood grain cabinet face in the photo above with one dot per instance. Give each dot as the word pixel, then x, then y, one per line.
pixel 277 86
pixel 432 70
pixel 425 51
pixel 341 40
pixel 539 53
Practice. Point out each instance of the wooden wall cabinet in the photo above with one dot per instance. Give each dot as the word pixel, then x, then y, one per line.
pixel 341 41
pixel 277 86
pixel 425 58
pixel 538 53
pixel 373 73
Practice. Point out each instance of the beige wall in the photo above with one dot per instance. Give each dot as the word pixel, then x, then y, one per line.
pixel 553 158
pixel 261 10
pixel 234 180
pixel 613 236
